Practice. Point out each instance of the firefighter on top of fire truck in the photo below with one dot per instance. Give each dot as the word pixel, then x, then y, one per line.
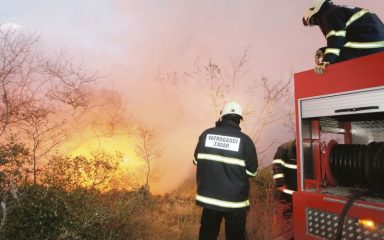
pixel 350 32
pixel 225 158
pixel 285 174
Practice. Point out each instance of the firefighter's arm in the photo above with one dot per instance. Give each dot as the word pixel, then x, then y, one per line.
pixel 335 33
pixel 278 166
pixel 278 173
pixel 196 152
pixel 334 30
pixel 251 161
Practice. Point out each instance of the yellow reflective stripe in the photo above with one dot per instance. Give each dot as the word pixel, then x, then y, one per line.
pixel 335 51
pixel 218 158
pixel 251 173
pixel 291 166
pixel 356 16
pixel 287 165
pixel 288 191
pixel 341 33
pixel 365 45
pixel 279 175
pixel 278 161
pixel 221 203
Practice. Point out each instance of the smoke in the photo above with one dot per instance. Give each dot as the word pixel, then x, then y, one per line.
pixel 167 40
pixel 150 39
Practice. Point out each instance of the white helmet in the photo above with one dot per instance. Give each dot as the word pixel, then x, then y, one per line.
pixel 232 108
pixel 313 9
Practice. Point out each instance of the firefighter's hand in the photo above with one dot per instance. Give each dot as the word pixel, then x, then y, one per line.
pixel 319 56
pixel 320 68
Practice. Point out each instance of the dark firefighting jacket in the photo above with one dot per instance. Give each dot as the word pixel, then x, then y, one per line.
pixel 225 158
pixel 285 169
pixel 350 32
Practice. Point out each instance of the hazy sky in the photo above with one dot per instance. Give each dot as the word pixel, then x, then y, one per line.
pixel 131 40
pixel 167 34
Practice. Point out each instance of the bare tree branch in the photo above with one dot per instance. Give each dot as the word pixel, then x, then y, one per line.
pixel 264 98
pixel 148 153
pixel 69 82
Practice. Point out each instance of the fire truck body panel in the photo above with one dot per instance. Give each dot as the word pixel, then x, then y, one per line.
pixel 343 108
pixel 356 74
pixel 321 223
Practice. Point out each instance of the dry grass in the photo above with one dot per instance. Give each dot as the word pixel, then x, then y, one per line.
pixel 177 217
pixel 265 219
pixel 169 218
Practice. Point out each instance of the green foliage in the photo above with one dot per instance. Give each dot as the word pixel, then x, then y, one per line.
pixel 67 204
pixel 53 213
pixel 93 215
pixel 64 171
pixel 37 215
pixel 13 157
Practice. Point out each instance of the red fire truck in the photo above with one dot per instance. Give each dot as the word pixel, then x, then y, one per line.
pixel 340 153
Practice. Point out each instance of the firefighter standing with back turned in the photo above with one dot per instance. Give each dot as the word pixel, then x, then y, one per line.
pixel 350 32
pixel 225 159
pixel 285 174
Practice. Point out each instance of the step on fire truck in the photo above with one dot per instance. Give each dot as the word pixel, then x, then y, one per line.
pixel 340 153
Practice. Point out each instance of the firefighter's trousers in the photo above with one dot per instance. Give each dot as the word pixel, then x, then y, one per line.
pixel 234 225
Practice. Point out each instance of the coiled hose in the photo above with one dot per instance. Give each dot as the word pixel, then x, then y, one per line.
pixel 357 165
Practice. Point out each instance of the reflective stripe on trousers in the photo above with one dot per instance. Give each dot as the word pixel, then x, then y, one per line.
pixel 222 203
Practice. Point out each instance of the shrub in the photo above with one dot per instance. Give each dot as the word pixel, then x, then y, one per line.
pixel 54 213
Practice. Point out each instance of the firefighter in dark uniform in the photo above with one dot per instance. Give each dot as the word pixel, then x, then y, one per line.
pixel 350 32
pixel 285 174
pixel 225 158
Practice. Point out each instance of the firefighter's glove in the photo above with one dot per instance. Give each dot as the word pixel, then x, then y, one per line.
pixel 320 68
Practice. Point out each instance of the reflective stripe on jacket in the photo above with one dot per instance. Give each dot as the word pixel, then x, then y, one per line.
pixel 225 159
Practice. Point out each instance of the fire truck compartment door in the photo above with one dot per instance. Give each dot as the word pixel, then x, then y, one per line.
pixel 367 101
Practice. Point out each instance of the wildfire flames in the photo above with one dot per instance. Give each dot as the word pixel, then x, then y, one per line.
pixel 114 144
pixel 122 145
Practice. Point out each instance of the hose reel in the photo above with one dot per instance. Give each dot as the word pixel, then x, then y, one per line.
pixel 358 165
